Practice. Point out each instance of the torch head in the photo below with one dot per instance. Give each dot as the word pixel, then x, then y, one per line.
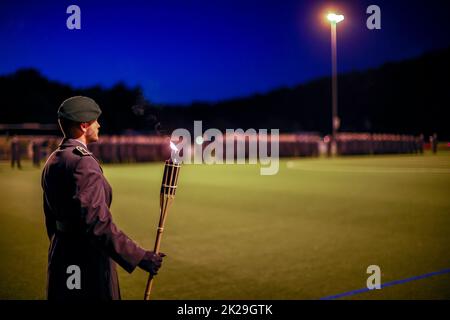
pixel 170 177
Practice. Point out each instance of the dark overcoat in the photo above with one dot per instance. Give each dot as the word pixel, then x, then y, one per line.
pixel 81 230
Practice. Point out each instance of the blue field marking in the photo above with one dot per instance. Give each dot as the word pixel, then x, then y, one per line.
pixel 387 284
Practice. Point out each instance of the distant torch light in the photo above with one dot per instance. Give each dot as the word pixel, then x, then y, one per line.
pixel 199 140
pixel 335 18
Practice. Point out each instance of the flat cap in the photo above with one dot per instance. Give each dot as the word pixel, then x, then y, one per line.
pixel 79 109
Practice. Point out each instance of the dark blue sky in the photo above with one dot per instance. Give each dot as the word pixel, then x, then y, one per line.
pixel 181 51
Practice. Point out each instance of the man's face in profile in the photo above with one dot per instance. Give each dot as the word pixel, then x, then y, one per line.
pixel 92 132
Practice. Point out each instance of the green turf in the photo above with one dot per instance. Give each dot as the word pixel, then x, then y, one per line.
pixel 308 232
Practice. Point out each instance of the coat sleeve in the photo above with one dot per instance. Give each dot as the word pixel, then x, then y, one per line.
pixel 96 216
pixel 50 222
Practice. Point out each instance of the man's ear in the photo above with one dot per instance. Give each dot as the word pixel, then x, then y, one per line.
pixel 84 126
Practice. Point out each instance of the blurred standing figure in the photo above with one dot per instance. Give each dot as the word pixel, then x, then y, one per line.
pixel 420 143
pixel 15 152
pixel 36 153
pixel 114 146
pixel 434 142
pixel 327 141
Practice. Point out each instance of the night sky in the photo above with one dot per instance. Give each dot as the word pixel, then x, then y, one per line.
pixel 181 51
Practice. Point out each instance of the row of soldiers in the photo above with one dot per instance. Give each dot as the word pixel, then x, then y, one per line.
pixel 365 143
pixel 36 149
pixel 300 145
pixel 137 149
pixel 130 149
pixel 112 149
pixel 260 145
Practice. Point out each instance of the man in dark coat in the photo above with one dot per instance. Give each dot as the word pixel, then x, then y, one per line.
pixel 15 152
pixel 85 244
pixel 434 142
pixel 36 151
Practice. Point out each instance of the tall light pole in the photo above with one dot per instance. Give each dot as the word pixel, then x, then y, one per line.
pixel 335 122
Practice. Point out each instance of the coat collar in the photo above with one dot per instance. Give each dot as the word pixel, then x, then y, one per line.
pixel 68 142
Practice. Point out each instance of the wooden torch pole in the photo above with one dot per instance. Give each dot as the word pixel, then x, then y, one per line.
pixel 167 195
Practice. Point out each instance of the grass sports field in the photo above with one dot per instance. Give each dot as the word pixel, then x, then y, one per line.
pixel 308 232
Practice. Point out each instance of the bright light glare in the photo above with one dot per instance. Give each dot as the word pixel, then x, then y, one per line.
pixel 199 140
pixel 333 17
pixel 173 146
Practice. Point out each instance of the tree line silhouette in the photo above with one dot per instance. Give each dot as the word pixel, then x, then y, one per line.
pixel 405 97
